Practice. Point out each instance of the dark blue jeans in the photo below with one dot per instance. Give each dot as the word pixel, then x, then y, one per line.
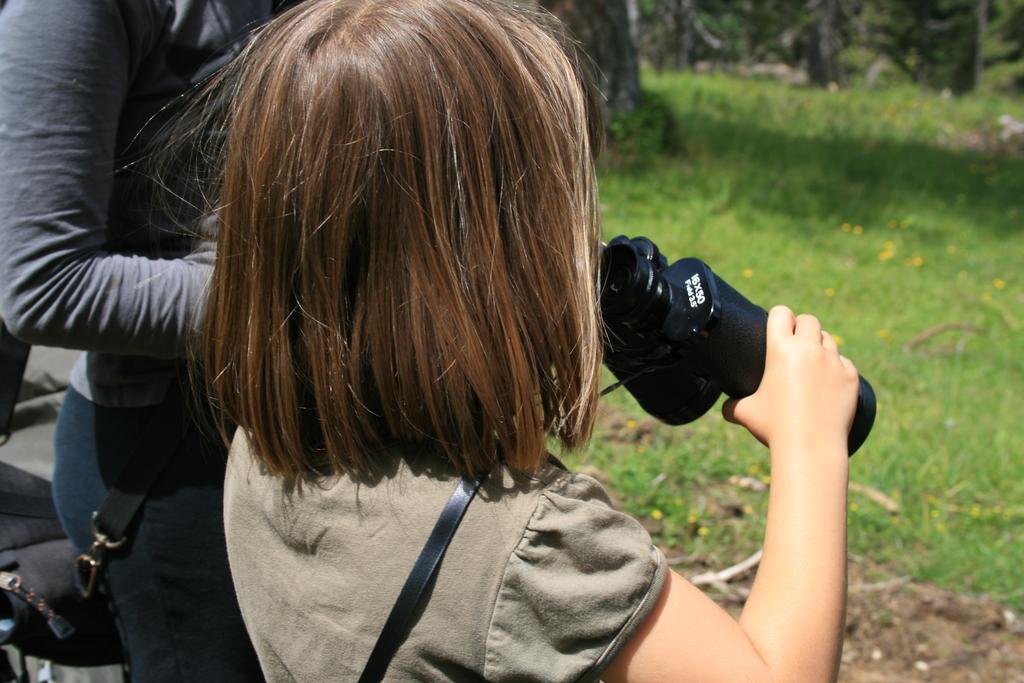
pixel 169 585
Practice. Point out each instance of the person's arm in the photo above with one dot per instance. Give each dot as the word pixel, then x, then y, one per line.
pixel 65 70
pixel 792 625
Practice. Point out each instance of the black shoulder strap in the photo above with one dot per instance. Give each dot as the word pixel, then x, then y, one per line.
pixel 13 356
pixel 160 439
pixel 397 625
pixel 110 522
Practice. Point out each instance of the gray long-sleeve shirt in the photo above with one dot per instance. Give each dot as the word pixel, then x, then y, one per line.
pixel 87 258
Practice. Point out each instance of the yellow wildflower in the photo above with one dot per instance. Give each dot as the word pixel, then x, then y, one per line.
pixel 975 511
pixel 858 230
pixel 845 227
pixel 885 255
pixel 889 245
pixel 999 283
pixel 657 514
pixel 748 272
pixel 918 261
pixel 630 424
pixel 854 507
pixel 839 340
pixel 703 531
pixel 940 527
pixel 830 292
pixel 987 296
pixel 883 334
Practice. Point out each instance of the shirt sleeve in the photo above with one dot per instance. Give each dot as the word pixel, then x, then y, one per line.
pixel 65 71
pixel 576 588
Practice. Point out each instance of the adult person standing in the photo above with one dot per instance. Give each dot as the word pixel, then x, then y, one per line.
pixel 90 260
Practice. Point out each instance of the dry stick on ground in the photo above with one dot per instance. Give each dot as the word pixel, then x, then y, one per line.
pixel 720 580
pixel 924 336
pixel 877 496
pixel 748 483
pixel 729 573
pixel 738 594
pixel 896 582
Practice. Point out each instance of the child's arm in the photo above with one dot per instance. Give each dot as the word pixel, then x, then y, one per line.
pixel 791 628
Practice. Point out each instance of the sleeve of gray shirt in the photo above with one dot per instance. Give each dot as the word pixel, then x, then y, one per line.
pixel 65 71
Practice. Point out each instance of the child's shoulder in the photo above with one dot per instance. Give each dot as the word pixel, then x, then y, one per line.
pixel 554 480
pixel 581 577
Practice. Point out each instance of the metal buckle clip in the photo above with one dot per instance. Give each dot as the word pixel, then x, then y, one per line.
pixel 89 563
pixel 9 581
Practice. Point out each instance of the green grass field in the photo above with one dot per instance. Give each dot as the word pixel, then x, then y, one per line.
pixel 870 210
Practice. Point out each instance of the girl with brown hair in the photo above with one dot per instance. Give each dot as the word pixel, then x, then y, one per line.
pixel 406 292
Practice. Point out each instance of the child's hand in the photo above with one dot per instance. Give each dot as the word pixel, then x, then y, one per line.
pixel 808 392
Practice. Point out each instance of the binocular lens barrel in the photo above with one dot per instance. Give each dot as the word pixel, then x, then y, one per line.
pixel 677 336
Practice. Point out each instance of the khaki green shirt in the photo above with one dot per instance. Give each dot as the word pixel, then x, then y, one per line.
pixel 543 581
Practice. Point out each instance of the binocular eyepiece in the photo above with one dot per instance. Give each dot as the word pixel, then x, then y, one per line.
pixel 678 336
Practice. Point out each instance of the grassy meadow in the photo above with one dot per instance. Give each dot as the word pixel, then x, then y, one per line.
pixel 880 213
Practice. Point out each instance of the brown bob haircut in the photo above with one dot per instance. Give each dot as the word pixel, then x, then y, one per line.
pixel 408 237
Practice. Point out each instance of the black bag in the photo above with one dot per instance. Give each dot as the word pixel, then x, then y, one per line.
pixel 42 611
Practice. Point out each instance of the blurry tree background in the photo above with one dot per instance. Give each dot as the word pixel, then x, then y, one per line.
pixel 954 45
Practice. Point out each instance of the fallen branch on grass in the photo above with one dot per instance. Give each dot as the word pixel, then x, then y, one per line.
pixel 727 574
pixel 881 585
pixel 747 483
pixel 730 593
pixel 877 496
pixel 924 336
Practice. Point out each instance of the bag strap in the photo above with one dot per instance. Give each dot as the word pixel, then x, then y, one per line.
pixel 13 356
pixel 398 622
pixel 160 439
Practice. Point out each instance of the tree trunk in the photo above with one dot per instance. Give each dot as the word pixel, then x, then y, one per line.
pixel 823 46
pixel 602 27
pixel 685 16
pixel 633 11
pixel 979 43
pixel 923 75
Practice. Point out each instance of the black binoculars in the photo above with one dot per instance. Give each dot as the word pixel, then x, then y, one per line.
pixel 677 337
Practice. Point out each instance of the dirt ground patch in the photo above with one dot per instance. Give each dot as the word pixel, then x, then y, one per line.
pixel 905 631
